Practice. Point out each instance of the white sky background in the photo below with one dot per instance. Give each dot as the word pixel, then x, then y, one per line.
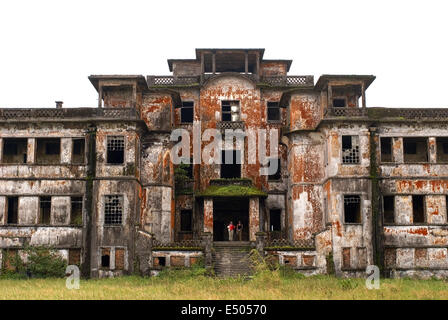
pixel 48 48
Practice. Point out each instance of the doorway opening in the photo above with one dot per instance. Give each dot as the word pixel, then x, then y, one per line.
pixel 226 210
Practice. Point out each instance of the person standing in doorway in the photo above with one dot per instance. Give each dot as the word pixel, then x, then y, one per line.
pixel 231 228
pixel 239 230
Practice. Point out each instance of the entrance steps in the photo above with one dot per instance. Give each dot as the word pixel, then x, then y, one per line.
pixel 231 258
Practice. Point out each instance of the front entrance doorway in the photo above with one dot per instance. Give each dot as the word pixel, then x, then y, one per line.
pixel 226 210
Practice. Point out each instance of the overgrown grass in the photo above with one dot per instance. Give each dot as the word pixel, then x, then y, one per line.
pixel 185 284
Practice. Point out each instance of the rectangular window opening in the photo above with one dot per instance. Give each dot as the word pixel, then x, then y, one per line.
pixel 115 150
pixel 15 150
pixel 350 149
pixel 418 209
pixel 415 150
pixel 277 174
pixel 442 149
pixel 76 211
pixel 230 111
pixel 339 103
pixel 386 149
pixel 48 150
pixel 352 209
pixel 161 261
pixel 45 210
pixel 186 220
pixel 78 151
pixel 389 209
pixel 12 210
pixel 187 112
pixel 273 111
pixel 275 220
pixel 113 210
pixel 105 258
pixel 231 164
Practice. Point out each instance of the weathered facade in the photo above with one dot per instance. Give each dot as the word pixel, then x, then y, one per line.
pixel 355 186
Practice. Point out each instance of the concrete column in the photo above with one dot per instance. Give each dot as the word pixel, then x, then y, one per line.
pixel 213 63
pixel 397 150
pixel 2 210
pixel 66 150
pixel 246 62
pixel 31 151
pixel 208 215
pixel 261 242
pixel 432 149
pixel 100 96
pixel 403 210
pixel 1 150
pixel 60 210
pixel 254 218
pixel 207 243
pixel 330 96
pixel 28 212
pixel 363 92
pixel 435 209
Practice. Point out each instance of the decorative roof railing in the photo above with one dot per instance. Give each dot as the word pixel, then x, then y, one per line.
pixel 289 81
pixel 389 113
pixel 346 112
pixel 67 113
pixel 281 81
pixel 171 81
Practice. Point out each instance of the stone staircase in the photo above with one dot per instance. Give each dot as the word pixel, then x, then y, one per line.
pixel 231 258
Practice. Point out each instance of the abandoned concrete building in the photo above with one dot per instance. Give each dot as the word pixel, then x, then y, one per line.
pixel 356 186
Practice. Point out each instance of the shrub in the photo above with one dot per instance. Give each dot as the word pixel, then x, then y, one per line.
pixel 42 262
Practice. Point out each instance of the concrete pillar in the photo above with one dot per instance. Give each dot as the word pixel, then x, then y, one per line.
pixel 432 149
pixel 31 151
pixel 208 215
pixel 1 150
pixel 2 210
pixel 66 150
pixel 213 63
pixel 246 62
pixel 100 96
pixel 60 210
pixel 28 212
pixel 261 242
pixel 403 210
pixel 435 209
pixel 207 243
pixel 363 92
pixel 254 218
pixel 397 149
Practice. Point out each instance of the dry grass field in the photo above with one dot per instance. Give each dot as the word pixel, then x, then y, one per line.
pixel 180 285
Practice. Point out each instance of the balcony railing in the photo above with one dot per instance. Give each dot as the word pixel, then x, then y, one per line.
pixel 390 113
pixel 67 113
pixel 289 81
pixel 171 81
pixel 281 81
pixel 231 125
pixel 346 112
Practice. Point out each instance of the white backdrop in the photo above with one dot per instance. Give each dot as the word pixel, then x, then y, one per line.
pixel 48 48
